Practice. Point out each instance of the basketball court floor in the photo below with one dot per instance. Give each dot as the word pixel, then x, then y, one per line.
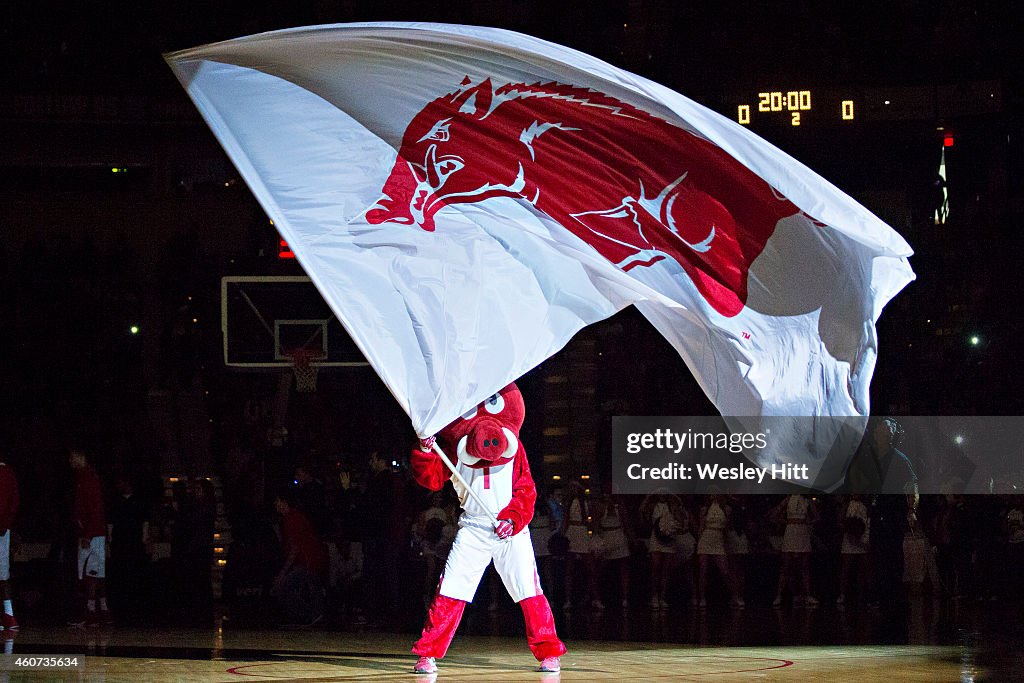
pixel 181 655
pixel 719 647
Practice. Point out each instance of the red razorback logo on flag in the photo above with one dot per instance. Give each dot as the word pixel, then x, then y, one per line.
pixel 635 187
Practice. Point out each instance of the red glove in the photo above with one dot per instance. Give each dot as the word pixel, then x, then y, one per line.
pixel 504 529
pixel 427 444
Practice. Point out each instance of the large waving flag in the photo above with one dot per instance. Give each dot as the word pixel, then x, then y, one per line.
pixel 466 199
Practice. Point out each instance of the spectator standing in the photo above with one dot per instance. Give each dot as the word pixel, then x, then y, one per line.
pixel 881 468
pixel 435 532
pixel 961 551
pixel 312 499
pixel 343 504
pixel 941 533
pixel 555 504
pixel 889 522
pixel 1015 546
pixel 129 538
pixel 252 561
pixel 346 552
pixel 299 586
pixel 192 549
pixel 9 501
pixel 987 528
pixel 90 524
pixel 380 550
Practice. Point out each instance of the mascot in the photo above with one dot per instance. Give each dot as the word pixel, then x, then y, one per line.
pixel 493 464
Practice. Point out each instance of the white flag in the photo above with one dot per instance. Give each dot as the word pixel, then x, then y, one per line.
pixel 466 199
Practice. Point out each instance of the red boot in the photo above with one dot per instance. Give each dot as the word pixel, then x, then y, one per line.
pixel 442 620
pixel 540 629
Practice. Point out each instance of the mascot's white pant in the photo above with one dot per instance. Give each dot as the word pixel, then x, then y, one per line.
pixel 475 547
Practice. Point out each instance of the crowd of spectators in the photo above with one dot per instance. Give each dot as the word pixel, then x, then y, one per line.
pixel 354 540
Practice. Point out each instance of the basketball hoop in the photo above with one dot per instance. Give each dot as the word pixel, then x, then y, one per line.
pixel 304 368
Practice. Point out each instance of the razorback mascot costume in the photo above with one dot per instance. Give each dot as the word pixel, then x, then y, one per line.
pixel 493 463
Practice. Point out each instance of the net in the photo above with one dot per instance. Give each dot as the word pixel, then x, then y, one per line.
pixel 305 368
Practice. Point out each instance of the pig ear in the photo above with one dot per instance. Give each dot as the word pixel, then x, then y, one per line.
pixel 454 95
pixel 475 101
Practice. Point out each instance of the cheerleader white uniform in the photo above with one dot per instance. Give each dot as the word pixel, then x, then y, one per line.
pixel 712 539
pixel 797 537
pixel 736 542
pixel 614 544
pixel 857 546
pixel 663 521
pixel 540 534
pixel 681 542
pixel 576 530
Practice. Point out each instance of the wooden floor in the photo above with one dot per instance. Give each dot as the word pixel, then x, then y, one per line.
pixel 144 655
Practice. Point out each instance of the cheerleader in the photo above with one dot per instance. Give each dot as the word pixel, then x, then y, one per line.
pixel 671 542
pixel 737 544
pixel 614 541
pixel 576 528
pixel 854 550
pixel 796 546
pixel 714 520
pixel 542 528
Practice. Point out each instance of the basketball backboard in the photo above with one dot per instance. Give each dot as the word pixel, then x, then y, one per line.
pixel 263 318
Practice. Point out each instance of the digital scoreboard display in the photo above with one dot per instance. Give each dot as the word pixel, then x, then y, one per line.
pixel 796 107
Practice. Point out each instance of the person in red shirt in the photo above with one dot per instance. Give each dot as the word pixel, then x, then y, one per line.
pixel 299 586
pixel 8 507
pixel 90 522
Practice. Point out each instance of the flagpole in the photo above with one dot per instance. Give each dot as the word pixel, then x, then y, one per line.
pixel 458 478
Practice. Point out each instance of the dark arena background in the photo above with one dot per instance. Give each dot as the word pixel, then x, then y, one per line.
pixel 121 217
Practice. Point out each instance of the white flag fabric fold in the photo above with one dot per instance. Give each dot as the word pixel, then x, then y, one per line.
pixel 466 199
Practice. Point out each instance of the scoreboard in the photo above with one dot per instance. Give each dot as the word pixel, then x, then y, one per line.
pixel 798 106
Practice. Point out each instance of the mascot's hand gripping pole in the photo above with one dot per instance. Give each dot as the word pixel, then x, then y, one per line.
pixel 458 477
